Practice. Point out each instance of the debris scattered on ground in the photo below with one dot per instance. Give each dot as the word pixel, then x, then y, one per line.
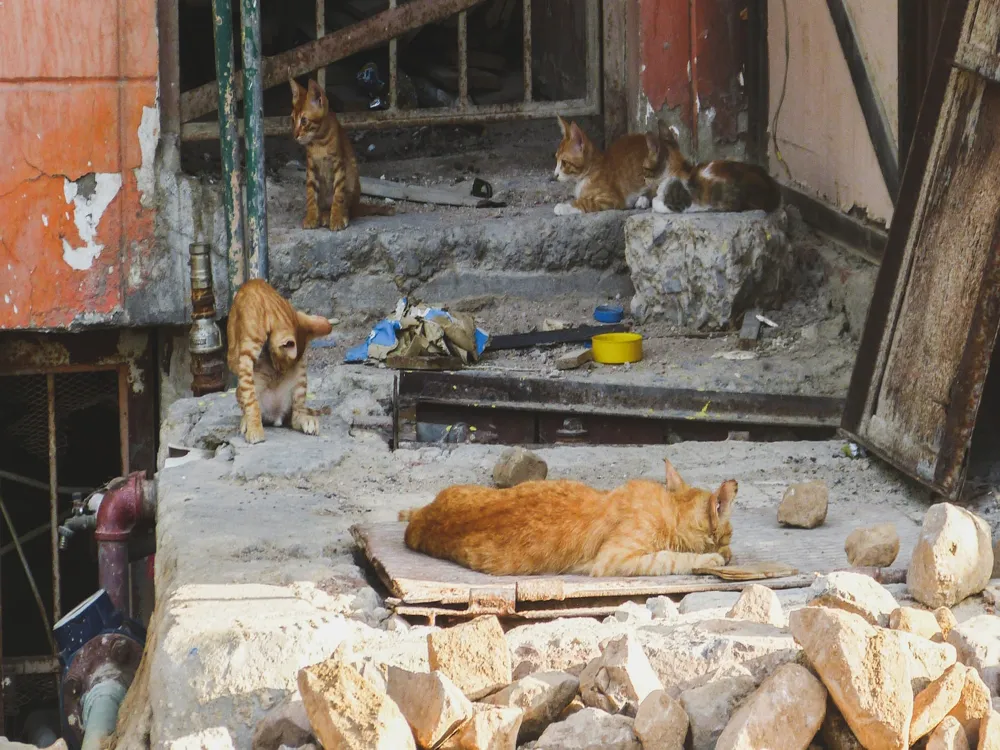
pixel 517 465
pixel 574 358
pixel 758 604
pixel 804 505
pixel 872 547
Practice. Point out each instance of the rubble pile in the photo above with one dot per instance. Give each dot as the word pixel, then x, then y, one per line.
pixel 844 665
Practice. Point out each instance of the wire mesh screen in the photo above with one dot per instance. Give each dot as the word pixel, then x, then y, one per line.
pixel 24 413
pixel 21 690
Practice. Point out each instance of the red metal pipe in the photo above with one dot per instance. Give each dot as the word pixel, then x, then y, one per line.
pixel 124 505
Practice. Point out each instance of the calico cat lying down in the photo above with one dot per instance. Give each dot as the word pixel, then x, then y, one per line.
pixel 642 528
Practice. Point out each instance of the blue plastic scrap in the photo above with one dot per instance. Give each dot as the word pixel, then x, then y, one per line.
pixel 384 334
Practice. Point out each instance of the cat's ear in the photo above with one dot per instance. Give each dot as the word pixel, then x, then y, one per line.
pixel 563 126
pixel 297 91
pixel 652 144
pixel 315 93
pixel 577 137
pixel 315 326
pixel 674 481
pixel 722 502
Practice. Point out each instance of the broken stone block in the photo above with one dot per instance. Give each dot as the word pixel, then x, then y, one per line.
pixel 865 670
pixel 946 620
pixel 855 593
pixel 542 697
pixel 758 604
pixel 917 621
pixel 873 546
pixel 977 642
pixel 700 601
pixel 709 707
pixel 948 735
pixel 804 505
pixel 927 660
pixel 490 728
pixel 620 678
pixel 346 712
pixel 989 732
pixel 973 704
pixel 631 612
pixel 285 724
pixel 835 734
pixel 661 723
pixel 936 701
pixel 662 608
pixel 432 704
pixel 474 655
pixel 953 558
pixel 590 729
pixel 518 465
pixel 785 713
pixel 706 269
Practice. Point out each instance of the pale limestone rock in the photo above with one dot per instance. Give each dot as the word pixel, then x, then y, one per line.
pixel 662 608
pixel 948 735
pixel 542 697
pixel 518 465
pixel 855 593
pixel 785 713
pixel 575 706
pixel 620 678
pixel 661 722
pixel 590 729
pixel 432 704
pixel 474 655
pixel 285 724
pixel 872 546
pixel 973 704
pixel 703 601
pixel 977 642
pixel 835 733
pixel 917 621
pixel 946 620
pixel 567 645
pixel 632 613
pixel 347 713
pixel 490 728
pixel 936 701
pixel 989 732
pixel 865 669
pixel 953 558
pixel 804 505
pixel 213 738
pixel 710 707
pixel 758 604
pixel 927 660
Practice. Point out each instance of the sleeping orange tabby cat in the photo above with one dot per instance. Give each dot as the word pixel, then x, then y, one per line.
pixel 268 342
pixel 716 185
pixel 333 186
pixel 558 526
pixel 605 181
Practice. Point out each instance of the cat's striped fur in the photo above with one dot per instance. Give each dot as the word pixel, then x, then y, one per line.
pixel 333 184
pixel 268 343
pixel 642 528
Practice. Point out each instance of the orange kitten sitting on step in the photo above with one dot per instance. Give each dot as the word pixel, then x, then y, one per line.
pixel 642 528
pixel 604 181
pixel 268 342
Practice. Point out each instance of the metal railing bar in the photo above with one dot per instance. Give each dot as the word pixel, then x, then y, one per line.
pixel 393 67
pixel 526 42
pixel 53 506
pixel 320 33
pixel 463 60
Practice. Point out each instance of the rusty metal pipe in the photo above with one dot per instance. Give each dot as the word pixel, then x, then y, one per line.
pixel 125 505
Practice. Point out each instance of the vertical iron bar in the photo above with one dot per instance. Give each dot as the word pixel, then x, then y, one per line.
pixel 393 67
pixel 53 502
pixel 229 141
pixel 526 42
pixel 463 60
pixel 593 46
pixel 253 129
pixel 320 33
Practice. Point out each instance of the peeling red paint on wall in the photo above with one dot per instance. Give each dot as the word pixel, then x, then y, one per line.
pixel 665 41
pixel 72 96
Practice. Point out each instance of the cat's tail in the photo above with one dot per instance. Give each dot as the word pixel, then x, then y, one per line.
pixel 373 209
pixel 406 515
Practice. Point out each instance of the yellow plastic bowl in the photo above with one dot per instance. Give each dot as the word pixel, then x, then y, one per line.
pixel 617 348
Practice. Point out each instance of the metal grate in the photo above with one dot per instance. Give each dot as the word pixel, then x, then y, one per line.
pixel 24 413
pixel 22 690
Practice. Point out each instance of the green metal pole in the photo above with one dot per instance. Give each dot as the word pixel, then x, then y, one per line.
pixel 229 140
pixel 253 129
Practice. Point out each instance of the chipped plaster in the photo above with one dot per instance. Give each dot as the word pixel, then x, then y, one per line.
pixel 89 205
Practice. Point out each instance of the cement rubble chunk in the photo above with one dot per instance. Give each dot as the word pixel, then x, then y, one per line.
pixel 936 701
pixel 977 642
pixel 989 732
pixel 953 558
pixel 285 724
pixel 490 728
pixel 785 713
pixel 865 670
pixel 662 608
pixel 946 620
pixel 432 704
pixel 661 722
pixel 804 505
pixel 948 735
pixel 872 546
pixel 474 655
pixel 631 613
pixel 590 729
pixel 517 465
pixel 856 593
pixel 620 678
pixel 835 733
pixel 917 621
pixel 346 712
pixel 542 697
pixel 758 604
pixel 710 707
pixel 973 704
pixel 927 660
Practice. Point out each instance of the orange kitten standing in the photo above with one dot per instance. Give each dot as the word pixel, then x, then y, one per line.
pixel 268 342
pixel 612 180
pixel 642 528
pixel 333 185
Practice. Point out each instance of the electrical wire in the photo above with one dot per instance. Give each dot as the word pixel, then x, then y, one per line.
pixel 784 88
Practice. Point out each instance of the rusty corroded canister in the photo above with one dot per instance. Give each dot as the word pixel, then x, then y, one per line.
pixel 208 366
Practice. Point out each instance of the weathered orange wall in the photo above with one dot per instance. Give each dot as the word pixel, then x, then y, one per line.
pixel 78 129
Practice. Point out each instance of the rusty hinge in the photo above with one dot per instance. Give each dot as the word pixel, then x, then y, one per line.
pixel 492 600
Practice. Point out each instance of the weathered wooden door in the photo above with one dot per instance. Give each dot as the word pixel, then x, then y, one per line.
pixel 925 352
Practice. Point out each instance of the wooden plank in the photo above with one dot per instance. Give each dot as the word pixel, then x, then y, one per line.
pixel 975 59
pixel 615 91
pixel 750 330
pixel 420 194
pixel 543 338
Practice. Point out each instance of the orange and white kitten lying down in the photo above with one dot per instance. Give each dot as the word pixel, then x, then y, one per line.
pixel 642 528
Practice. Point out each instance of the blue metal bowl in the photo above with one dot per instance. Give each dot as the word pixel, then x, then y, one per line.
pixel 609 313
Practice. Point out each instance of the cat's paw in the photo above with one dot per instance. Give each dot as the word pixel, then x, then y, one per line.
pixel 659 207
pixel 305 423
pixel 252 430
pixel 338 221
pixel 642 203
pixel 310 222
pixel 727 554
pixel 566 209
pixel 710 561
